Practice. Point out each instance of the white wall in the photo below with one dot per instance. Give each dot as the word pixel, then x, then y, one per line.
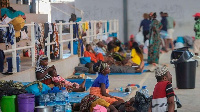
pixel 64 67
pixel 180 10
pixel 102 10
pixel 58 15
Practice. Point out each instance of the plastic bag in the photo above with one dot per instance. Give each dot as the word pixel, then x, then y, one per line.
pixel 141 102
pixel 139 38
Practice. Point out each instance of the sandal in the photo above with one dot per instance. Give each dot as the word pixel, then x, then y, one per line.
pixel 7 73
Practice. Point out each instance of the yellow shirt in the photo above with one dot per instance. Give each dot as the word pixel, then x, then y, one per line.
pixel 135 57
pixel 116 49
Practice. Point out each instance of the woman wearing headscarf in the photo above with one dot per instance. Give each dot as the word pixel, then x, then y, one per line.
pixel 42 69
pixel 101 84
pixel 154 40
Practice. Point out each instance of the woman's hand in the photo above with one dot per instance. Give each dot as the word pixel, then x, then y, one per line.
pixel 50 69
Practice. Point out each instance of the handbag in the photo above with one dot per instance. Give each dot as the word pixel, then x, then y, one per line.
pixel 178 102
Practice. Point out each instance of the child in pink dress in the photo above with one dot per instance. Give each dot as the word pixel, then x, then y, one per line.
pixel 58 80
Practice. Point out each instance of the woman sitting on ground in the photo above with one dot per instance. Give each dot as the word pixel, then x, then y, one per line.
pixel 136 56
pixel 42 69
pixel 101 84
pixel 91 53
pixel 60 81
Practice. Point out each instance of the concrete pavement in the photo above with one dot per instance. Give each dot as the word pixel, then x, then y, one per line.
pixel 189 98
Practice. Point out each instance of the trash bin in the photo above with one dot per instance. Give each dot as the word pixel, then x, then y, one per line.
pixel 185 67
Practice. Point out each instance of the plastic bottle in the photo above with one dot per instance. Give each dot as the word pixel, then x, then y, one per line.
pixel 97 74
pixel 145 91
pixel 19 62
pixel 68 107
pixel 137 85
pixel 65 93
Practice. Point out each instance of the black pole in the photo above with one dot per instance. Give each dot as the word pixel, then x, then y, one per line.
pixel 125 20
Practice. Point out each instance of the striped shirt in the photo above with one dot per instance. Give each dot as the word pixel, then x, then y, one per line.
pixel 42 70
pixel 162 91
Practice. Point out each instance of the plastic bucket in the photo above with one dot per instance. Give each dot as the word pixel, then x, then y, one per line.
pixel 26 102
pixel 84 60
pixel 7 103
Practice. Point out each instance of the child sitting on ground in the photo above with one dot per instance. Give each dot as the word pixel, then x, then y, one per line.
pixel 60 81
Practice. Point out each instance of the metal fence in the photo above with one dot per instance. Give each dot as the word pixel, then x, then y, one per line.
pixel 90 35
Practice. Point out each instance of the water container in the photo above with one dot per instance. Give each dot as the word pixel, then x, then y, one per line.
pixel 68 107
pixel 7 103
pixel 65 93
pixel 26 102
pixel 144 91
pixel 10 66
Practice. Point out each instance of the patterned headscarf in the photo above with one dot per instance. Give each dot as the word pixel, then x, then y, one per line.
pixel 87 101
pixel 160 71
pixel 42 57
pixel 100 66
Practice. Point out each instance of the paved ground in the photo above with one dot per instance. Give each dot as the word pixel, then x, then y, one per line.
pixel 189 97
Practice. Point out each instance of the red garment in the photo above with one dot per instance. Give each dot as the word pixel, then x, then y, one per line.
pixel 94 57
pixel 130 44
pixel 162 91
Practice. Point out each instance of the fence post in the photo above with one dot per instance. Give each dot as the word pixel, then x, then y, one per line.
pixel 92 30
pixel 61 39
pixel 110 26
pixel 95 29
pixel 106 33
pixel 14 65
pixel 88 35
pixel 48 48
pixel 117 28
pixel 115 25
pixel 101 31
pixel 71 36
pixel 33 44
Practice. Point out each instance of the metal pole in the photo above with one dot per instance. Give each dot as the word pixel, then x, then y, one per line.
pixel 88 35
pixel 125 20
pixel 14 65
pixel 48 48
pixel 33 43
pixel 106 29
pixel 95 29
pixel 60 36
pixel 71 36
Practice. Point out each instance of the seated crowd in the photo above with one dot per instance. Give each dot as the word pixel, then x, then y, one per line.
pixel 104 59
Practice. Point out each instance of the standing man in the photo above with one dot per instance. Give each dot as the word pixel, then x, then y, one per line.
pixel 163 32
pixel 197 34
pixel 163 94
pixel 145 25
pixel 170 29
